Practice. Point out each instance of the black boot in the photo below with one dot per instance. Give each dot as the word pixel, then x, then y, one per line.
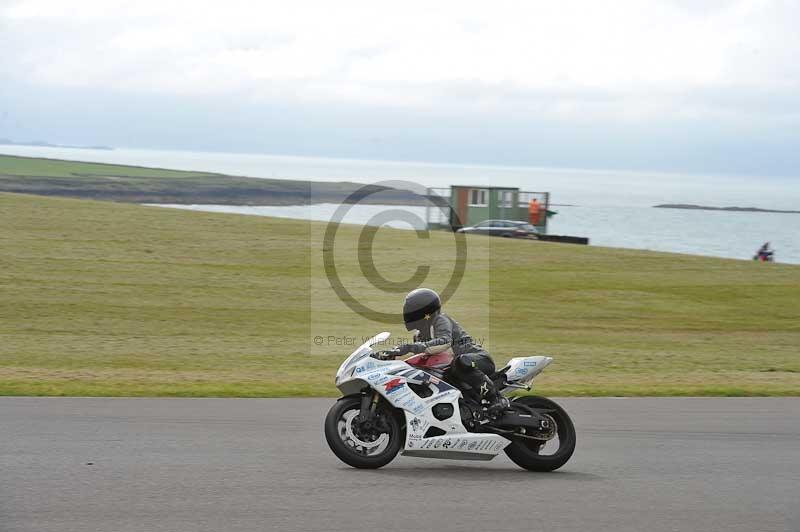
pixel 492 401
pixel 497 406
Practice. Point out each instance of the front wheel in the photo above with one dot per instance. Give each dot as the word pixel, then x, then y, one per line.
pixel 368 445
pixel 536 455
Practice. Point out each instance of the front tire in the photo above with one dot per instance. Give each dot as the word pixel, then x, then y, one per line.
pixel 357 446
pixel 526 452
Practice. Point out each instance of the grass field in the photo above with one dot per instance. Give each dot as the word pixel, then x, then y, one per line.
pixel 99 298
pixel 134 184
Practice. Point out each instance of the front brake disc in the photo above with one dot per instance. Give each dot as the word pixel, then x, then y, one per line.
pixel 349 417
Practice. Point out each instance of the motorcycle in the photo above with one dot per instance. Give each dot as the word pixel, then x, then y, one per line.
pixel 767 256
pixel 408 406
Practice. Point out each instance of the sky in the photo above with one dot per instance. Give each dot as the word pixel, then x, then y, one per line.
pixel 669 85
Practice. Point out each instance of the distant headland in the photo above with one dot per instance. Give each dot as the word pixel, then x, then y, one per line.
pixel 45 144
pixel 727 209
pixel 137 184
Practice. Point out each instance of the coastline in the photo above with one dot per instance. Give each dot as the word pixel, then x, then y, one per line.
pixel 690 207
pixel 142 184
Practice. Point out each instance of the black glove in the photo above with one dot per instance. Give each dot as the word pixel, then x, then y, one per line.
pixel 386 355
pixel 404 349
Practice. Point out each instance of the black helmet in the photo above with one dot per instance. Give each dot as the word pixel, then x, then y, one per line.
pixel 420 305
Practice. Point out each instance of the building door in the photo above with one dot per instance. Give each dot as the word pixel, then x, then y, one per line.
pixel 462 207
pixel 505 202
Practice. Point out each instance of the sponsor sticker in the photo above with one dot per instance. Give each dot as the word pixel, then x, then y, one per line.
pixel 404 395
pixel 370 365
pixel 408 403
pixel 529 363
pixel 377 378
pixel 393 386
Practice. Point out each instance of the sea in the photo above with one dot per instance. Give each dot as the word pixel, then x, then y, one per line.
pixel 611 207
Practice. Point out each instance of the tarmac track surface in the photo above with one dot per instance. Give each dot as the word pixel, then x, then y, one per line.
pixel 219 465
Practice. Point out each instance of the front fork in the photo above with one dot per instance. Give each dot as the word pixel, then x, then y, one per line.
pixel 369 417
pixel 369 402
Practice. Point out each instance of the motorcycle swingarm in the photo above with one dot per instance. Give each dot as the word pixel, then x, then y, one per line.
pixel 521 420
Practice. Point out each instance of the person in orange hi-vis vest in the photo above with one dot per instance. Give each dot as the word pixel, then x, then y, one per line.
pixel 533 211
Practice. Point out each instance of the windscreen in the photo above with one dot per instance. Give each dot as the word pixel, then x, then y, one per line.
pixel 357 355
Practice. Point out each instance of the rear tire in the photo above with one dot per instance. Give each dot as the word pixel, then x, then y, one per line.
pixel 350 448
pixel 525 452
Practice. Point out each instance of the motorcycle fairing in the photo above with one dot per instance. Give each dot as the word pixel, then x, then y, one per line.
pixel 522 370
pixel 363 351
pixel 390 379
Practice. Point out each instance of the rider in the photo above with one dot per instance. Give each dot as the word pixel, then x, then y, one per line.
pixel 764 253
pixel 437 332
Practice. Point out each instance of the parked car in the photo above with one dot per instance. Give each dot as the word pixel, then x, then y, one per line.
pixel 505 228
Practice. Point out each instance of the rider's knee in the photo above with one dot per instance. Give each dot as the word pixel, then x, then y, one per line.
pixel 465 363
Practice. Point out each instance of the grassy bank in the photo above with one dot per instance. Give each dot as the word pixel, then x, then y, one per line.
pixel 134 184
pixel 111 299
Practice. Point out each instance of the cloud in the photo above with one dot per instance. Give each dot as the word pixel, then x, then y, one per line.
pixel 408 53
pixel 676 83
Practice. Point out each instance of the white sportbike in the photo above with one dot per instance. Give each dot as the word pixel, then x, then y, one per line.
pixel 392 406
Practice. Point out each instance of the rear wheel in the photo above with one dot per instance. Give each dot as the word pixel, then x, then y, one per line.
pixel 537 455
pixel 368 445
